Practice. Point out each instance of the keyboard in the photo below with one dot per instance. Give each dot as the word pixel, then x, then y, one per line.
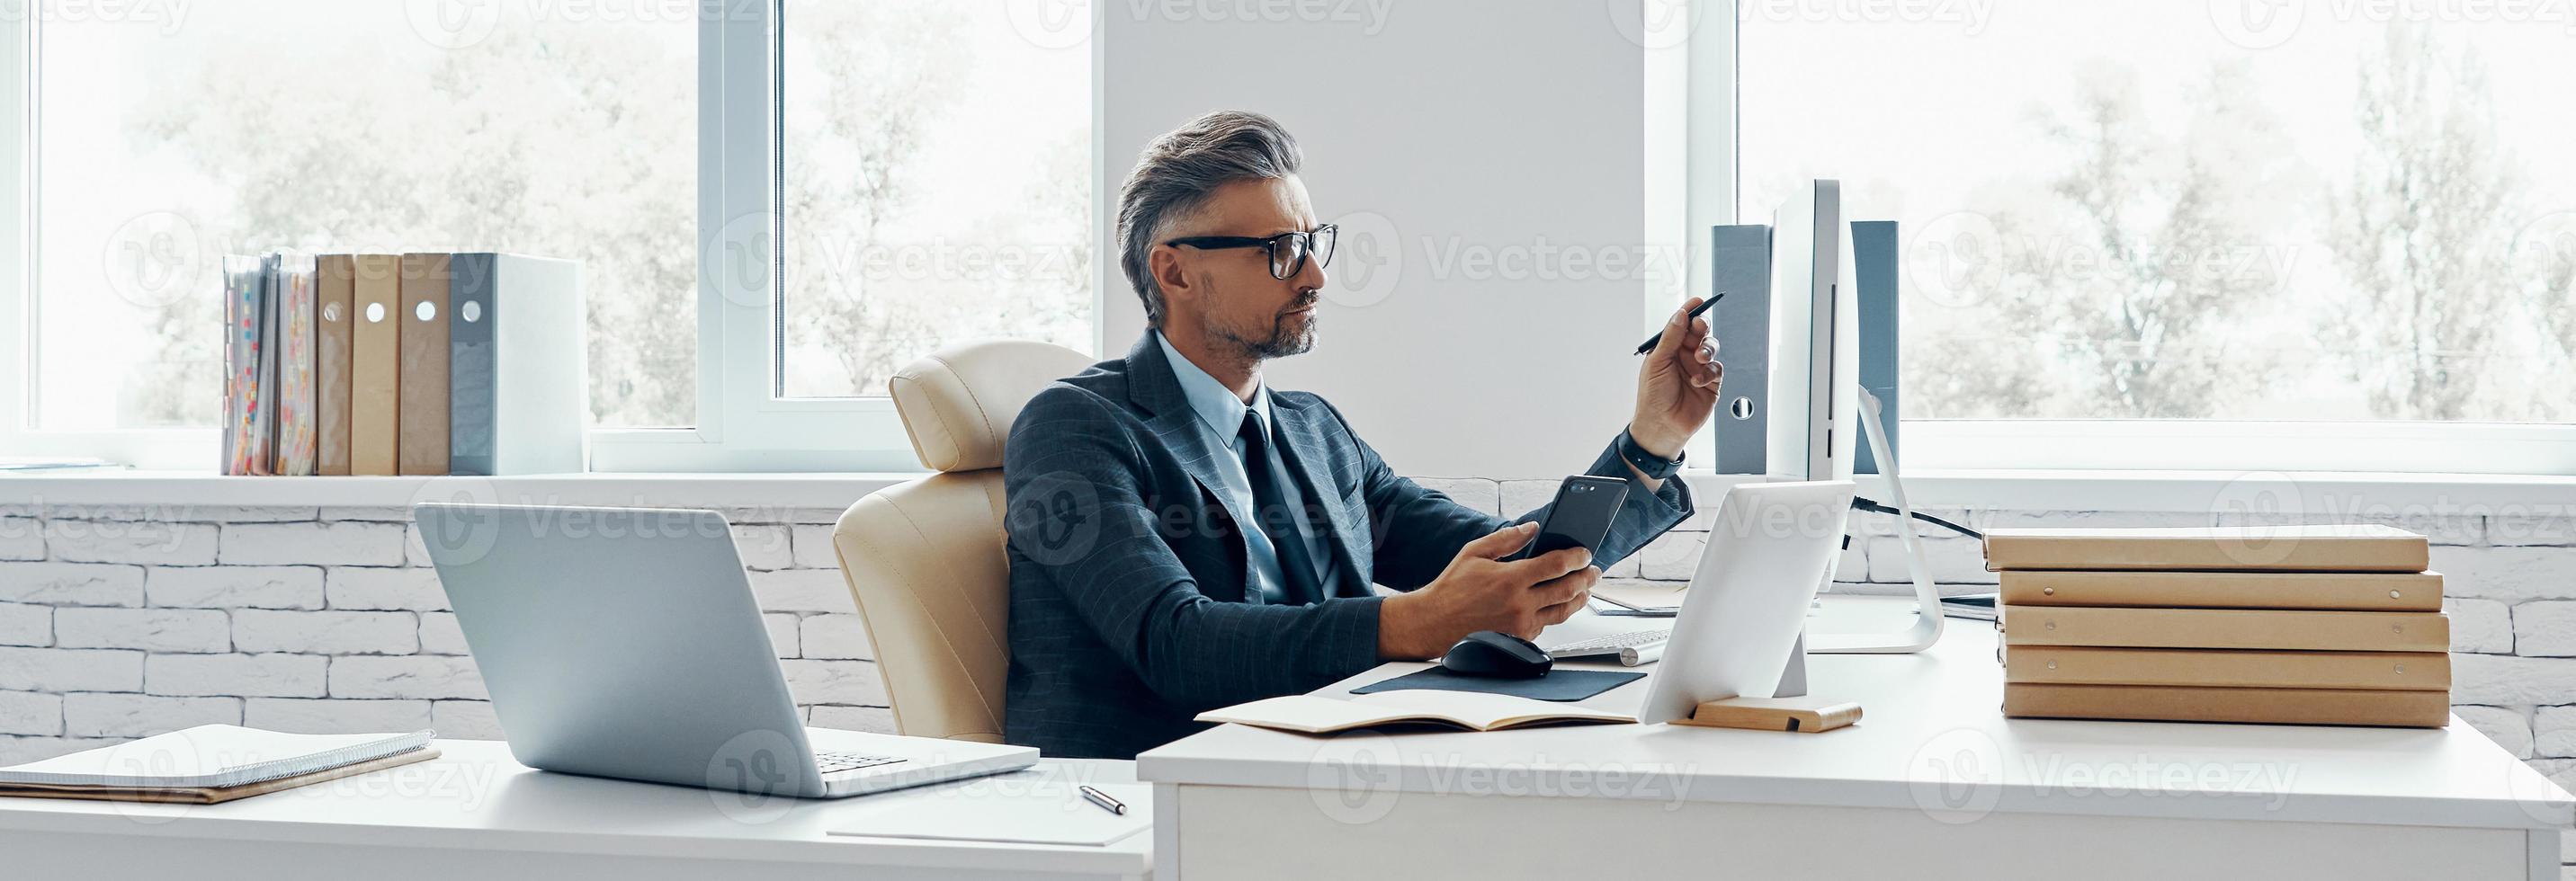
pixel 1633 648
pixel 834 763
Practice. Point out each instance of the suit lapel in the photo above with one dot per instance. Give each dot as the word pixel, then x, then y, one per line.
pixel 1302 444
pixel 1152 388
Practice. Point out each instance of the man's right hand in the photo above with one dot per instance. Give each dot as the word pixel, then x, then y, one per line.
pixel 1479 591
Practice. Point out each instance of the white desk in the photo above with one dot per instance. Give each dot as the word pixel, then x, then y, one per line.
pixel 473 813
pixel 1933 783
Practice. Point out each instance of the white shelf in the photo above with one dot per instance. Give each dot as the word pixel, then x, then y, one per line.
pixel 784 490
pixel 2347 494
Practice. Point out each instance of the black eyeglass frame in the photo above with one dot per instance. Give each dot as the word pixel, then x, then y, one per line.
pixel 1330 233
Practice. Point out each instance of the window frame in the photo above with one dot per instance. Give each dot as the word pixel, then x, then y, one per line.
pixel 743 424
pixel 20 432
pixel 2373 446
pixel 740 424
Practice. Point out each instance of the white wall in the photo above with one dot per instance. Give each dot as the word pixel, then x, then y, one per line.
pixel 1459 125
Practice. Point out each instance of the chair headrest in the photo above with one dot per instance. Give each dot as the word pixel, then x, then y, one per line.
pixel 958 403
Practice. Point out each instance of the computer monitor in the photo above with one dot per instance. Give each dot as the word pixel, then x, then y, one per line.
pixel 1815 392
pixel 1815 339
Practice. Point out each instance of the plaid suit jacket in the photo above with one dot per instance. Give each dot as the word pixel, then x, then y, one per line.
pixel 1129 613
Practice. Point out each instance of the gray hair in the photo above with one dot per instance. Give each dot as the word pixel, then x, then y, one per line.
pixel 1175 175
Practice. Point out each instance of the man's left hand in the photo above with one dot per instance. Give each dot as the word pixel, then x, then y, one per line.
pixel 1677 386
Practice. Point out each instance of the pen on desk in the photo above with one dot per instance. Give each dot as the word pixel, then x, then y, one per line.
pixel 1102 799
pixel 1650 343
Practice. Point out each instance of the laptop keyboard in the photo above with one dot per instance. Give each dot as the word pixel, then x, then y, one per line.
pixel 834 763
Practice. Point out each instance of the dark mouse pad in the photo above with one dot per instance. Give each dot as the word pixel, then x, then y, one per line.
pixel 1557 685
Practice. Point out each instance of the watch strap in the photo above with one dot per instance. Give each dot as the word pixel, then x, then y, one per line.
pixel 1645 462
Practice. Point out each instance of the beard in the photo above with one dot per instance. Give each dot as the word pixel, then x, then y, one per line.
pixel 1287 334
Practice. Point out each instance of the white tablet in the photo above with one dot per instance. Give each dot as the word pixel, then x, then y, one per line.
pixel 1766 557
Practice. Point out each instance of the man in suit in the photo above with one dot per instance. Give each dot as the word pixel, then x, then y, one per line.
pixel 1184 537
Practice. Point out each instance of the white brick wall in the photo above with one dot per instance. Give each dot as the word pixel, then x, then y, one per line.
pixel 138 715
pixel 273 675
pixel 2545 628
pixel 121 621
pixel 236 587
pixel 335 715
pixel 341 543
pixel 138 541
pixel 24 624
pixel 361 587
pixel 72 584
pixel 129 620
pixel 160 630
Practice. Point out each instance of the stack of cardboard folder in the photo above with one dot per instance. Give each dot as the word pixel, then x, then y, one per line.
pixel 2318 625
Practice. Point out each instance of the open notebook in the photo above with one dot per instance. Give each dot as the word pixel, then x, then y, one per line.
pixel 208 757
pixel 1475 711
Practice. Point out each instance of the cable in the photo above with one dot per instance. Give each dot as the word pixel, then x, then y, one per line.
pixel 1874 507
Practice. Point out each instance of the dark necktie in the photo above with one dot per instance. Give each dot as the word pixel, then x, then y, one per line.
pixel 1272 515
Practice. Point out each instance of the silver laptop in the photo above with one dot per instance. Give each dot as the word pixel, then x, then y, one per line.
pixel 625 642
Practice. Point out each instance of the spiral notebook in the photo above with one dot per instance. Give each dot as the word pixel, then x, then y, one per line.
pixel 208 757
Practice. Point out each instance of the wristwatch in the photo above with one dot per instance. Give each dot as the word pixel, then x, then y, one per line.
pixel 1647 463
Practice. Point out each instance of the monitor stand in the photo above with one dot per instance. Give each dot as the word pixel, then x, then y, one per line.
pixel 1926 629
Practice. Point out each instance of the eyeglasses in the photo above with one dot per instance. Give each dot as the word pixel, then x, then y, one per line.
pixel 1288 250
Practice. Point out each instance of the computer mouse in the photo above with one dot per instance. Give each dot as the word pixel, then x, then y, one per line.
pixel 1497 655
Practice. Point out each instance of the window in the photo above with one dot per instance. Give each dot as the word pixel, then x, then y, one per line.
pixel 2196 216
pixel 169 137
pixel 774 208
pixel 936 187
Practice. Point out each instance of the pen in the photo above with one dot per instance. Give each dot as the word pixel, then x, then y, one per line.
pixel 1102 799
pixel 1649 344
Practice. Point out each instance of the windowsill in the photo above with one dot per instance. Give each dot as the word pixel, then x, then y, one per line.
pixel 2358 494
pixel 705 489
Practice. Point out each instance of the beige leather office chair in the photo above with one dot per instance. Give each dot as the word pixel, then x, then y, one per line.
pixel 924 558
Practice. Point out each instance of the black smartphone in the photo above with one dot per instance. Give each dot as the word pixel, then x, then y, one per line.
pixel 1580 517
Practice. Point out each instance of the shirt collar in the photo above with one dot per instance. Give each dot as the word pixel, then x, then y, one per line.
pixel 1216 405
